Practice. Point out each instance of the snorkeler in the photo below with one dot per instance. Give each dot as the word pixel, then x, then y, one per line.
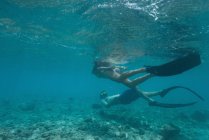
pixel 126 97
pixel 108 70
pixel 116 73
pixel 130 95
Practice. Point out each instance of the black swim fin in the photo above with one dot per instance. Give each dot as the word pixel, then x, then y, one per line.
pixel 176 66
pixel 190 90
pixel 166 105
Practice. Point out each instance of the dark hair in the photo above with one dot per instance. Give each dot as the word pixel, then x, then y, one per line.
pixel 100 63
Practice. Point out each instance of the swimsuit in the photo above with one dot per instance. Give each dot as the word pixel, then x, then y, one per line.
pixel 128 96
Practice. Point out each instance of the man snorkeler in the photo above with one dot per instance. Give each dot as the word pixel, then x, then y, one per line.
pixel 130 95
pixel 127 96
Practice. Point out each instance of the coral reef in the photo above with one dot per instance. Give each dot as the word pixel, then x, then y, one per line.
pixel 170 132
pixel 200 116
pixel 54 121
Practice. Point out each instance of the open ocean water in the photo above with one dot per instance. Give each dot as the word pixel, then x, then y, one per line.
pixel 47 52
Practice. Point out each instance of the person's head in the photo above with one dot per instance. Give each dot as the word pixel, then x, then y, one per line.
pixel 103 94
pixel 97 65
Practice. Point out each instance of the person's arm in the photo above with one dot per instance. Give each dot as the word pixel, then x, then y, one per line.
pixel 130 73
pixel 119 68
pixel 105 68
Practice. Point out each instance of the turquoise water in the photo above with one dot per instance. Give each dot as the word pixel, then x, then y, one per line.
pixel 47 52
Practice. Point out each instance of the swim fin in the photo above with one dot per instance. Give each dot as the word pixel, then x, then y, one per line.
pixel 176 66
pixel 166 105
pixel 190 90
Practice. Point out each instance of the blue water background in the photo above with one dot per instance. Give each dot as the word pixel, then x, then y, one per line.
pixel 48 49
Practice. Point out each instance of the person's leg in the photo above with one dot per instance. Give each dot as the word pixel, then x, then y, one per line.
pixel 161 93
pixel 155 93
pixel 141 79
pixel 130 73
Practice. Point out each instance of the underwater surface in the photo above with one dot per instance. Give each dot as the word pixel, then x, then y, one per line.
pixel 47 52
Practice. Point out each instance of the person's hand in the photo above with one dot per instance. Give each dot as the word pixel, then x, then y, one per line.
pixel 123 67
pixel 119 68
